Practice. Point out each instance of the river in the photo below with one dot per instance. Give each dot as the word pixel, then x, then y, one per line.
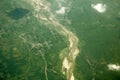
pixel 69 60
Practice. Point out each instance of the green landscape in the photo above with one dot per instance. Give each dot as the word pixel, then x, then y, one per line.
pixel 59 40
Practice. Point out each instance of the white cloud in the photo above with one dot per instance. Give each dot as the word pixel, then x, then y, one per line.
pixel 62 10
pixel 99 7
pixel 113 67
